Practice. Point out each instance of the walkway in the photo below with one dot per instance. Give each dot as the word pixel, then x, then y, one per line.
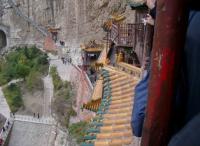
pixel 30 134
pixel 64 70
pixel 111 126
pixel 4 108
pixel 48 95
pixel 36 120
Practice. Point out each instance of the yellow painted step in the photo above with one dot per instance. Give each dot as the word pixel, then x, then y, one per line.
pixel 115 76
pixel 121 101
pixel 117 122
pixel 117 115
pixel 122 83
pixel 110 128
pixel 120 79
pixel 122 92
pixel 114 142
pixel 130 85
pixel 121 105
pixel 129 95
pixel 113 111
pixel 113 135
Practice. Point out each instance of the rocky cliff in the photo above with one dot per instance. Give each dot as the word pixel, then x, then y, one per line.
pixel 77 20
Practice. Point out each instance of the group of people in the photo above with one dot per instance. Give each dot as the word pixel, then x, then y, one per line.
pixel 65 60
pixel 38 115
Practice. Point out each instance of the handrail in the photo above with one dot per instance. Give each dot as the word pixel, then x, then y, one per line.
pixel 5 132
pixel 130 69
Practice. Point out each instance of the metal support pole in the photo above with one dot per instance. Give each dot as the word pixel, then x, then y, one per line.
pixel 167 46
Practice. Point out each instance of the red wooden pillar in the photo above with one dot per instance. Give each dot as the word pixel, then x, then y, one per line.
pixel 168 43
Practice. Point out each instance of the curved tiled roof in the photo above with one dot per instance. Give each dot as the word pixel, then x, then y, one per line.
pixel 111 126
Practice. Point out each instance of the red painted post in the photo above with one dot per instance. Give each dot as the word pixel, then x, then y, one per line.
pixel 167 46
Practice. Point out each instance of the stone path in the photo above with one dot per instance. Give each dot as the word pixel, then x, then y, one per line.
pixel 48 95
pixel 4 108
pixel 64 70
pixel 31 131
pixel 30 134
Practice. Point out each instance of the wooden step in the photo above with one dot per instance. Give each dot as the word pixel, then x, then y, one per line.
pixel 129 95
pixel 113 111
pixel 117 122
pixel 126 91
pixel 114 142
pixel 122 83
pixel 130 85
pixel 116 76
pixel 121 78
pixel 121 101
pixel 114 69
pixel 111 128
pixel 113 135
pixel 117 115
pixel 121 105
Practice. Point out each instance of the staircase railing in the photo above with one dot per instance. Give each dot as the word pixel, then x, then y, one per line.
pixel 4 133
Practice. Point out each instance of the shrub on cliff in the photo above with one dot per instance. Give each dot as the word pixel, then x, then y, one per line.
pixel 13 97
pixel 63 98
pixel 21 62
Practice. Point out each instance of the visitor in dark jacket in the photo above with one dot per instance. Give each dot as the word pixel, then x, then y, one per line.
pixel 141 89
pixel 189 98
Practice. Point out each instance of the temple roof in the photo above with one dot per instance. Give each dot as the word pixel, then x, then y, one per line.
pixel 111 126
pixel 92 46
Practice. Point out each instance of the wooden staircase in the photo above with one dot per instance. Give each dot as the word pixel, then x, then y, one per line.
pixel 111 126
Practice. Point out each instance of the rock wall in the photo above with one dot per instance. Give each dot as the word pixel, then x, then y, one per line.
pixel 78 20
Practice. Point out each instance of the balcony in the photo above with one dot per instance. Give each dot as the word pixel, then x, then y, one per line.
pixel 125 35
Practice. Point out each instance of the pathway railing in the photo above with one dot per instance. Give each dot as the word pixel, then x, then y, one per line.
pixel 6 130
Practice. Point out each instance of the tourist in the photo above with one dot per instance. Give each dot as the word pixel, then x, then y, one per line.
pixel 141 89
pixel 38 116
pixel 7 126
pixel 70 60
pixel 63 60
pixel 3 129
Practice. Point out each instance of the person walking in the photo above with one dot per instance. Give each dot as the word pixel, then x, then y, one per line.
pixel 3 129
pixel 63 60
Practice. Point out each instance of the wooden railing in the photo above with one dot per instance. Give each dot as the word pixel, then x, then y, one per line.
pixel 125 34
pixel 4 133
pixel 135 71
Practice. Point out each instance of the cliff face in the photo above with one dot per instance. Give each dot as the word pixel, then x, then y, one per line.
pixel 78 20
